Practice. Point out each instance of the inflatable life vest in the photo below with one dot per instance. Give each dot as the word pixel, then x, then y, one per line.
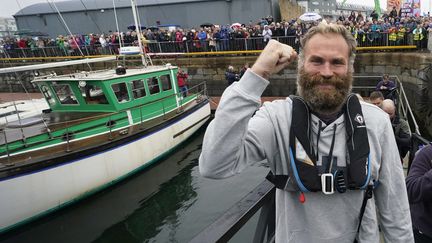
pixel 304 174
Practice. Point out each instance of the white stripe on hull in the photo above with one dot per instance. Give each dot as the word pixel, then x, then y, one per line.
pixel 26 196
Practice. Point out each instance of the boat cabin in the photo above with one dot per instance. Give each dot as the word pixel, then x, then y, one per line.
pixel 109 90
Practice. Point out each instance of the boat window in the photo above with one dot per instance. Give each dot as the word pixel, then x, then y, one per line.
pixel 93 94
pixel 138 89
pixel 153 85
pixel 121 92
pixel 65 94
pixel 165 82
pixel 47 93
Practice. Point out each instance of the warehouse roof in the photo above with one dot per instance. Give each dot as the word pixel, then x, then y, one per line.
pixel 82 5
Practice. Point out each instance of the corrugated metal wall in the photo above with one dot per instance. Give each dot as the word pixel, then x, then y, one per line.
pixel 187 15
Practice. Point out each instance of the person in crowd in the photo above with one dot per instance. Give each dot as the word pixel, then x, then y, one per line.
pixel 374 15
pixel 400 128
pixel 230 75
pixel 419 36
pixel 182 82
pixel 341 16
pixel 278 31
pixel 419 186
pixel 242 134
pixel 376 98
pixel 359 17
pixel 386 86
pixel 243 70
pixel 267 34
pixel 393 13
pixel 352 16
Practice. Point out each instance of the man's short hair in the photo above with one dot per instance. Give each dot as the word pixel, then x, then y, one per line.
pixel 376 95
pixel 324 28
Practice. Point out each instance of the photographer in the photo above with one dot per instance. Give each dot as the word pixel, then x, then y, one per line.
pixel 231 76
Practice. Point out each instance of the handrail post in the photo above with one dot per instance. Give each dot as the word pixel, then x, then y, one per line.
pixel 19 121
pixel 67 140
pixel 187 46
pixel 7 149
pixel 160 48
pixel 141 118
pixel 110 128
pixel 163 109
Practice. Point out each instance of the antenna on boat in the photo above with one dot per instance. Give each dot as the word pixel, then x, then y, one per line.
pixel 138 30
pixel 69 31
pixel 118 29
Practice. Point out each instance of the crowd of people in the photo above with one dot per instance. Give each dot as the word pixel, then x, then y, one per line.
pixel 372 30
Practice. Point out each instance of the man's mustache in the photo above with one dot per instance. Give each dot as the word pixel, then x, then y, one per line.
pixel 316 79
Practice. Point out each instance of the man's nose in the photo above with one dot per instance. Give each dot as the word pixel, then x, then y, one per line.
pixel 326 70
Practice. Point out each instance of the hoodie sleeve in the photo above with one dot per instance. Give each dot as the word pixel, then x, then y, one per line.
pixel 391 194
pixel 237 135
pixel 419 179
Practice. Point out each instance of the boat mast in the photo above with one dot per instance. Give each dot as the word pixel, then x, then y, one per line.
pixel 138 30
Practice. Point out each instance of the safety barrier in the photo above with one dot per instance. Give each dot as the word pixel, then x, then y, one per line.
pixel 366 42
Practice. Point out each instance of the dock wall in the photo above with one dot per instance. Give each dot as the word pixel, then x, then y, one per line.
pixel 413 69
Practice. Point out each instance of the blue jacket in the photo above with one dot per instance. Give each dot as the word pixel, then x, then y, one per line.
pixel 231 77
pixel 419 186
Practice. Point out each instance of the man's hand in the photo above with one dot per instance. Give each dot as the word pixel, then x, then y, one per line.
pixel 274 58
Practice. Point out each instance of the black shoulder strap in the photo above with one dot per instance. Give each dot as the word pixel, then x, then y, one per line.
pixel 367 195
pixel 304 171
pixel 300 125
pixel 357 144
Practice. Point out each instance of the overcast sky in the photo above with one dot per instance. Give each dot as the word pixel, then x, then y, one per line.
pixel 14 5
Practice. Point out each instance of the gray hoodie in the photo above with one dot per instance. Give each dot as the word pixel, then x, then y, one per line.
pixel 243 133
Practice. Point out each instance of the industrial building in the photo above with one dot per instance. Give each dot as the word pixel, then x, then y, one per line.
pixel 98 16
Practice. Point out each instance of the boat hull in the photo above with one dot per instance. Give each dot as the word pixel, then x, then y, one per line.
pixel 28 196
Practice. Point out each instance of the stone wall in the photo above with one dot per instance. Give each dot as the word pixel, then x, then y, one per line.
pixel 212 71
pixel 413 69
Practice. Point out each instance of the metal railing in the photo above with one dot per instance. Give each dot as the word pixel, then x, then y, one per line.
pixel 259 199
pixel 193 46
pixel 112 123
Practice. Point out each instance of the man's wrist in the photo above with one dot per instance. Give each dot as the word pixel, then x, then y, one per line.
pixel 260 72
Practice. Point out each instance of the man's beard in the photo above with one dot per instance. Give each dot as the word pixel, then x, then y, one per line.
pixel 324 101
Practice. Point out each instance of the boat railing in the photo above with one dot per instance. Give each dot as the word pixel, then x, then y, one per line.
pixel 113 122
pixel 260 227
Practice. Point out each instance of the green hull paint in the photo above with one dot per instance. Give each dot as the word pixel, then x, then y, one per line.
pixel 141 109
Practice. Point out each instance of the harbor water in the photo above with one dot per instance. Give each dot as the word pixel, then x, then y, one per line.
pixel 167 202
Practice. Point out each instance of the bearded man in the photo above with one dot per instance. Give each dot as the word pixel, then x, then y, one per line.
pixel 309 140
